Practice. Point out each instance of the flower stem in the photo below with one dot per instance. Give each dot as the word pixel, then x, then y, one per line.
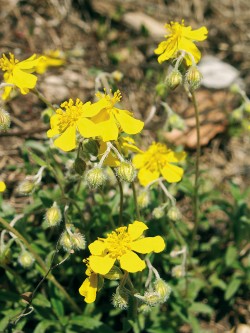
pixel 197 173
pixel 42 264
pixel 43 98
pixel 121 198
pixel 138 216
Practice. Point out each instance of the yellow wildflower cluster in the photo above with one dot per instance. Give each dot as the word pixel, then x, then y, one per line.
pixel 2 186
pixel 100 119
pixel 181 39
pixel 120 246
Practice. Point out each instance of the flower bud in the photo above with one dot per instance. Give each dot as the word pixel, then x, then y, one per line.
pixel 193 78
pixel 26 186
pixel 73 241
pixel 175 121
pixel 65 242
pixel 53 216
pixel 126 171
pixel 5 256
pixel 234 88
pixel 174 79
pixel 237 114
pixel 79 166
pixel 25 259
pixel 120 299
pixel 78 241
pixel 95 177
pixel 152 298
pixel 174 213
pixel 4 120
pixel 163 289
pixel 144 308
pixel 178 271
pixel 247 106
pixel 117 76
pixel 158 212
pixel 143 199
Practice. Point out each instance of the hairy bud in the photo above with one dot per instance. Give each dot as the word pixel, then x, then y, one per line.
pixel 143 199
pixel 193 78
pixel 163 289
pixel 126 171
pixel 4 120
pixel 174 79
pixel 53 216
pixel 25 259
pixel 95 177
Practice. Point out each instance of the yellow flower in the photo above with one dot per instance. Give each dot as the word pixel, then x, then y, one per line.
pixel 111 120
pixel 2 186
pixel 19 73
pixel 123 145
pixel 120 245
pixel 181 38
pixel 157 161
pixel 89 287
pixel 67 123
pixel 53 58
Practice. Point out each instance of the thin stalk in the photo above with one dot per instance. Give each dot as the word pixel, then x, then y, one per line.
pixel 43 98
pixel 138 216
pixel 121 197
pixel 42 264
pixel 197 174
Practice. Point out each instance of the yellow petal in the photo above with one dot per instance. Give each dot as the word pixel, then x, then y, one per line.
pixel 172 173
pixel 30 63
pixel 195 35
pixel 97 107
pixel 89 288
pixel 23 80
pixel 130 262
pixel 176 157
pixel 136 229
pixel 2 186
pixel 97 248
pixel 6 93
pixel 111 160
pixel 67 140
pixel 101 265
pixel 149 244
pixel 138 161
pixel 170 50
pixel 87 128
pixel 146 176
pixel 54 120
pixel 189 46
pixel 108 130
pixel 128 124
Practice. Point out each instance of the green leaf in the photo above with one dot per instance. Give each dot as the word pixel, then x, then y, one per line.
pixel 232 288
pixel 199 307
pixel 85 322
pixel 231 255
pixel 43 325
pixel 41 300
pixel 37 159
pixel 57 306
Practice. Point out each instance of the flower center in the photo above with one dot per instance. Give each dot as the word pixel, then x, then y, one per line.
pixel 70 116
pixel 118 242
pixel 8 64
pixel 156 157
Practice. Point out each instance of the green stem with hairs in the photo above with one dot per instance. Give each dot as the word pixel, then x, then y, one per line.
pixel 43 98
pixel 41 264
pixel 197 174
pixel 138 216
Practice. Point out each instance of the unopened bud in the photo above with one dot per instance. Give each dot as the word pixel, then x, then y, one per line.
pixel 53 216
pixel 158 212
pixel 174 213
pixel 79 166
pixel 78 241
pixel 126 171
pixel 5 256
pixel 174 79
pixel 152 298
pixel 178 271
pixel 4 120
pixel 144 308
pixel 163 289
pixel 143 199
pixel 193 78
pixel 120 299
pixel 237 114
pixel 247 106
pixel 117 76
pixel 26 186
pixel 71 242
pixel 175 121
pixel 95 177
pixel 25 259
pixel 234 88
